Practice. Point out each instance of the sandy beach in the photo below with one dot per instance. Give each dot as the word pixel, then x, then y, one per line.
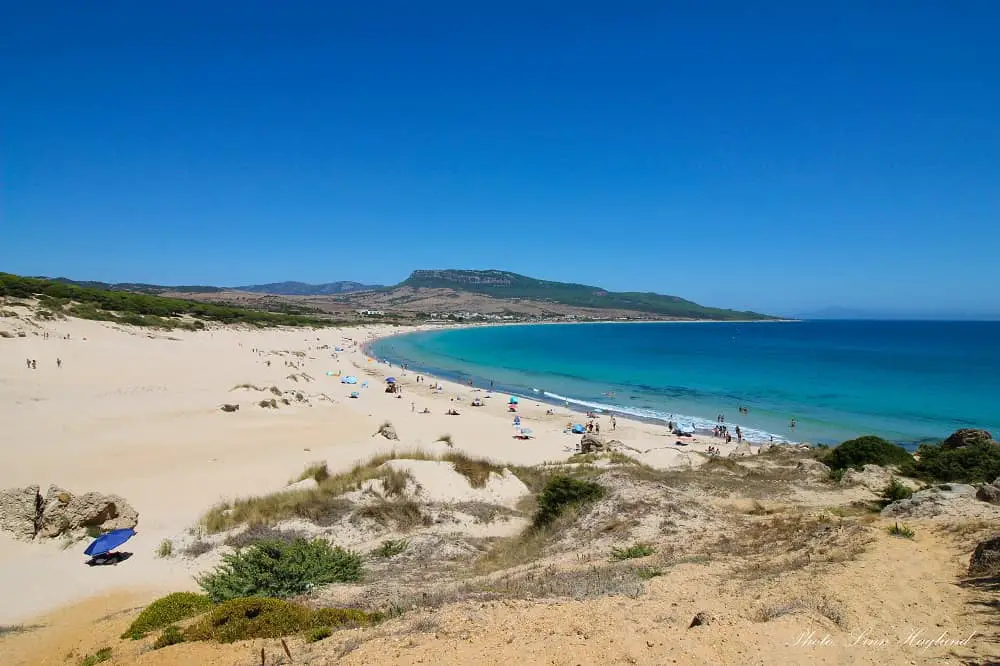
pixel 136 413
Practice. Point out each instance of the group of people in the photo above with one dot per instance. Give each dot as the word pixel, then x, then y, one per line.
pixel 723 432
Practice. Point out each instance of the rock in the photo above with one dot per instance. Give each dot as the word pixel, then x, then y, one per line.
pixel 955 499
pixel 590 443
pixel 388 431
pixel 967 437
pixel 19 508
pixel 305 484
pixel 812 469
pixel 873 477
pixel 985 560
pixel 701 618
pixel 989 493
pixel 230 408
pixel 62 512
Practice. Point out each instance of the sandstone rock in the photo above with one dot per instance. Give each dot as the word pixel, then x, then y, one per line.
pixel 985 561
pixel 966 437
pixel 989 493
pixel 62 512
pixel 873 477
pixel 812 469
pixel 956 499
pixel 19 508
pixel 590 443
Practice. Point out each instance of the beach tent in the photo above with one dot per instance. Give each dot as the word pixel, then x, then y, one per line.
pixel 578 429
pixel 350 379
pixel 513 400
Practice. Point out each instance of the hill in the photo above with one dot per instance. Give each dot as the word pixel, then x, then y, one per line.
pixel 506 285
pixel 137 287
pixel 304 289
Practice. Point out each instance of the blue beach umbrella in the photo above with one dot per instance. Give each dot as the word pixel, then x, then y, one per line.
pixel 350 379
pixel 108 542
pixel 513 400
pixel 578 428
pixel 390 380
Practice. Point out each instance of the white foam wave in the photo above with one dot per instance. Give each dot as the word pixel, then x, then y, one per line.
pixel 683 421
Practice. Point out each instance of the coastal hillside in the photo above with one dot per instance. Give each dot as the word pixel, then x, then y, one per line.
pixel 304 289
pixel 512 286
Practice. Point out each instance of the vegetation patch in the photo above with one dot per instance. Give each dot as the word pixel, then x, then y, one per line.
pixel 317 471
pixel 165 549
pixel 902 531
pixel 824 607
pixel 402 514
pixel 165 611
pixel 634 551
pixel 258 533
pixel 318 634
pixel 895 491
pixel 975 463
pixel 99 657
pixel 867 450
pixel 391 548
pixel 562 491
pixel 278 569
pixel 257 617
pixel 170 636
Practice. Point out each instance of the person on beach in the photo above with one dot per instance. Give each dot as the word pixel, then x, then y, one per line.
pixel 34 364
pixel 614 424
pixel 413 407
pixel 58 362
pixel 27 361
pixel 739 434
pixel 597 428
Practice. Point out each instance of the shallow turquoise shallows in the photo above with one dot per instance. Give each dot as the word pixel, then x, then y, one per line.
pixel 905 381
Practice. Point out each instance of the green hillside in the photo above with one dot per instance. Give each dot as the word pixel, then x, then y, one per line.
pixel 502 284
pixel 137 309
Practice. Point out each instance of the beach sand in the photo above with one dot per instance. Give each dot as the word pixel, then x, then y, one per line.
pixel 137 413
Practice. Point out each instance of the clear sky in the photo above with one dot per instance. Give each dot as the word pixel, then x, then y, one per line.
pixel 781 156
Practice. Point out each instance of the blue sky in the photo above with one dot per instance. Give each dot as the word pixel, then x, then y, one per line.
pixel 777 156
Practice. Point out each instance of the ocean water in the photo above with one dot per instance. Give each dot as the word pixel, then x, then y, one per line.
pixel 905 381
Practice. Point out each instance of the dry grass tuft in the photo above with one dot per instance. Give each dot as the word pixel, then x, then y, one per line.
pixel 404 515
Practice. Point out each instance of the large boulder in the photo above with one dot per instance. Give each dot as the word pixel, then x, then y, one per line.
pixel 873 477
pixel 953 499
pixel 989 492
pixel 592 443
pixel 19 508
pixel 63 512
pixel 812 469
pixel 966 437
pixel 985 561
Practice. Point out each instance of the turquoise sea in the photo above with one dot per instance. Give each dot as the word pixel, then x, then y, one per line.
pixel 905 381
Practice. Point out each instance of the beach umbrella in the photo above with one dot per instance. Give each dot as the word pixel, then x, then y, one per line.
pixel 578 428
pixel 390 380
pixel 350 379
pixel 527 432
pixel 513 400
pixel 355 394
pixel 108 542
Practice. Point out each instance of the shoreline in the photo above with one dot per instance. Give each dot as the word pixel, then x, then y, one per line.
pixel 576 405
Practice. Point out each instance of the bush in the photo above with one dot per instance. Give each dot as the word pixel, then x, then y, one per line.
pixel 901 531
pixel 867 450
pixel 896 491
pixel 391 548
pixel 632 552
pixel 170 636
pixel 562 491
pixel 166 548
pixel 162 612
pixel 277 569
pixel 976 463
pixel 99 657
pixel 318 634
pixel 257 617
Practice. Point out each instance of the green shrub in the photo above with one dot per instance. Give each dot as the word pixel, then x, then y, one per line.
pixel 896 491
pixel 646 573
pixel 167 610
pixel 99 657
pixel 562 491
pixel 867 450
pixel 257 617
pixel 318 634
pixel 391 548
pixel 166 548
pixel 277 569
pixel 901 531
pixel 170 636
pixel 976 463
pixel 632 552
